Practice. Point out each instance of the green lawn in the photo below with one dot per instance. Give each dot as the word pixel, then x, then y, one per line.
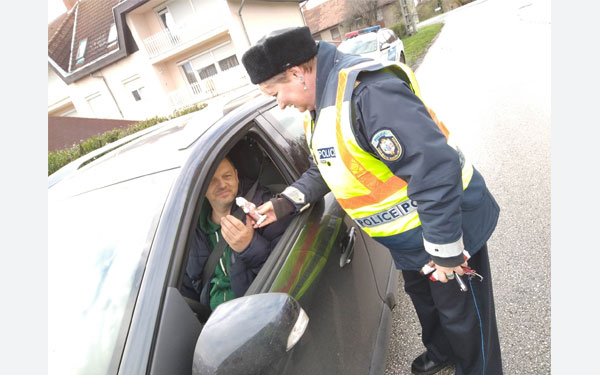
pixel 415 46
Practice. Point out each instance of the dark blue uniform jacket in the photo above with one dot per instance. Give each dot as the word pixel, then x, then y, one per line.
pixel 428 164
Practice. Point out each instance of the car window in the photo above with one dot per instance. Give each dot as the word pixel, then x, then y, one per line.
pixel 291 125
pixel 98 243
pixel 361 44
pixel 391 37
pixel 381 37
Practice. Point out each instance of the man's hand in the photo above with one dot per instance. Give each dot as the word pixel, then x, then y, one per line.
pixel 237 234
pixel 447 273
pixel 266 209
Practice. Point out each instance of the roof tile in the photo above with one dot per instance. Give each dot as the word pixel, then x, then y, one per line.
pixel 60 33
pixel 92 20
pixel 325 15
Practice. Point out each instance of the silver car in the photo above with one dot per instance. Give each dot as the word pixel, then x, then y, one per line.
pixel 120 222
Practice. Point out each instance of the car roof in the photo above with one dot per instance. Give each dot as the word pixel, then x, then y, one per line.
pixel 162 147
pixel 365 36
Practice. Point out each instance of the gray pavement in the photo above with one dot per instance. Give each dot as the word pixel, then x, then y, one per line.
pixel 487 76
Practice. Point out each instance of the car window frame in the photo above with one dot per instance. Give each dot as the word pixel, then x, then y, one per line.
pixel 269 138
pixel 168 251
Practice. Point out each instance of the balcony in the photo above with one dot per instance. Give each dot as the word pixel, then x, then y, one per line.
pixel 216 85
pixel 174 38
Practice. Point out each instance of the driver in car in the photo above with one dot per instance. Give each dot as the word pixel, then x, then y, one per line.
pixel 246 248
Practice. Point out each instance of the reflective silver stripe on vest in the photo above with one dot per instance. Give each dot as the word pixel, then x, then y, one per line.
pixel 393 213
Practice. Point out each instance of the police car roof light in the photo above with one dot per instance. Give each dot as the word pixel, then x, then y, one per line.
pixel 369 29
pixel 351 34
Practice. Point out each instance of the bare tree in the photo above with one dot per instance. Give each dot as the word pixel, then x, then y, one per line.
pixel 360 13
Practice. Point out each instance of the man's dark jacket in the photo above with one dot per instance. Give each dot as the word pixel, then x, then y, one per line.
pixel 244 265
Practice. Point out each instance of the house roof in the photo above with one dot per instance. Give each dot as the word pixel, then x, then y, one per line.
pixel 325 15
pixel 89 20
pixel 94 18
pixel 60 33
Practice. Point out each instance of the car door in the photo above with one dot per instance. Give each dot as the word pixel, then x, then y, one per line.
pixel 346 302
pixel 390 53
pixel 349 319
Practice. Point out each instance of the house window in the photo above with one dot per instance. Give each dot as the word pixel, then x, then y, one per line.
pixel 189 73
pixel 81 51
pixel 317 36
pixel 166 18
pixel 218 64
pixel 112 35
pixel 228 63
pixel 207 71
pixel 335 34
pixel 135 86
pixel 137 94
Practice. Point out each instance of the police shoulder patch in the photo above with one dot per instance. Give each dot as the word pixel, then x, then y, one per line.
pixel 387 145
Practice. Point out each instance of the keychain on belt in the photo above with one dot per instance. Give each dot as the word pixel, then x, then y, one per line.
pixel 428 269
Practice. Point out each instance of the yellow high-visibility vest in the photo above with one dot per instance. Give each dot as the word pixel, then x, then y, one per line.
pixel 364 186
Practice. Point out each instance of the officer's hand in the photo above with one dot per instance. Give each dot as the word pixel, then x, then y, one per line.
pixel 266 209
pixel 237 234
pixel 446 273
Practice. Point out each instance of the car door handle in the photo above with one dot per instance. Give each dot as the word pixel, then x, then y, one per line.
pixel 348 247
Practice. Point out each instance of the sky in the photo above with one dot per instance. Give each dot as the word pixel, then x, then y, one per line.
pixel 55 9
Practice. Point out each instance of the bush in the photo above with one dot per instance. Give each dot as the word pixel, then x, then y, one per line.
pixel 60 158
pixel 400 29
pixel 426 10
pixel 185 111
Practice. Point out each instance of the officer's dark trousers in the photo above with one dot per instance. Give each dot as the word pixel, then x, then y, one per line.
pixel 456 325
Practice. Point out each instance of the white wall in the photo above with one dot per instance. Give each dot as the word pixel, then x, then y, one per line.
pixel 261 18
pixel 114 88
pixel 58 91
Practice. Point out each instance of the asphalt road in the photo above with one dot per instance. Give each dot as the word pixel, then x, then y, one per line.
pixel 487 76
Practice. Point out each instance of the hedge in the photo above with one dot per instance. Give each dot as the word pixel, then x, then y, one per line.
pixel 60 158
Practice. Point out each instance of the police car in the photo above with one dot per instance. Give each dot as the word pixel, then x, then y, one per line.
pixel 374 42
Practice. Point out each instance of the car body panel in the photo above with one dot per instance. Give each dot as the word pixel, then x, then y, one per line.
pixel 346 305
pixel 95 267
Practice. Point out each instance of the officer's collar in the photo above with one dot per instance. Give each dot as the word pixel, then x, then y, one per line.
pixel 326 60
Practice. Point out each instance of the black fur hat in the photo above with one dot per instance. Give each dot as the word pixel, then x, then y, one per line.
pixel 278 51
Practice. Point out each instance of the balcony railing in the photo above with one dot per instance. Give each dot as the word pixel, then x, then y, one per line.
pixel 169 39
pixel 221 83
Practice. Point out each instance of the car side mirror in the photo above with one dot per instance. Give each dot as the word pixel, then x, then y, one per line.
pixel 247 334
pixel 385 45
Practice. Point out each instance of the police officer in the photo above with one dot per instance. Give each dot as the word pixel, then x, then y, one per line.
pixel 393 168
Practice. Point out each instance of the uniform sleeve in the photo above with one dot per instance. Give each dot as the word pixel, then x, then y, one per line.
pixel 308 189
pixel 264 239
pixel 431 168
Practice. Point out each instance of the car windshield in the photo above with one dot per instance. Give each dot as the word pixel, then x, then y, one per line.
pixel 361 44
pixel 98 243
